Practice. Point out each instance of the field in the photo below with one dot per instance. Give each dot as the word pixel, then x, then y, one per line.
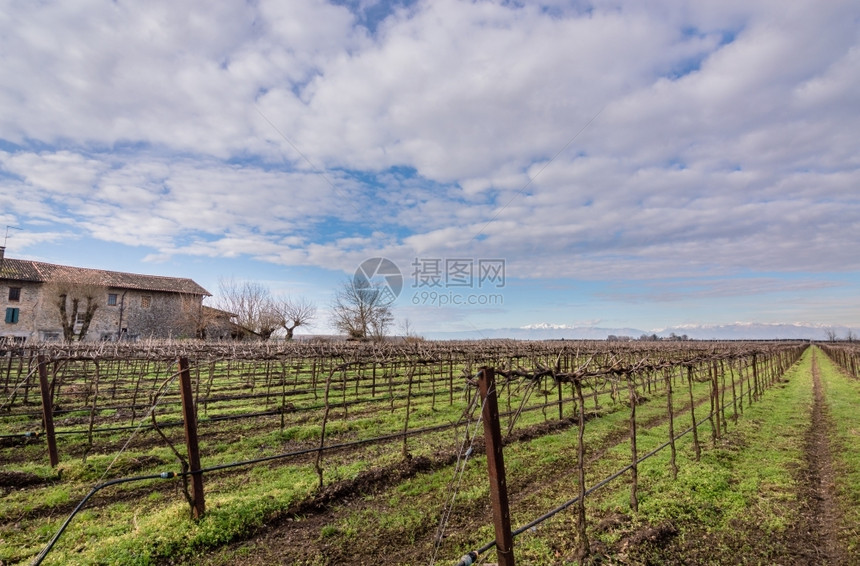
pixel 359 453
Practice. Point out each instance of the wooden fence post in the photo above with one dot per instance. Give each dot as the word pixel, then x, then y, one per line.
pixel 48 412
pixel 190 419
pixel 496 468
pixel 671 412
pixel 583 547
pixel 634 453
pixel 693 413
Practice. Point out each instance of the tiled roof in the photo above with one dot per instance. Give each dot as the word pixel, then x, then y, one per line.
pixel 36 271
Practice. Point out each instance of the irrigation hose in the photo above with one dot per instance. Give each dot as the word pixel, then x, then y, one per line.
pixel 468 559
pixel 29 434
pixel 163 475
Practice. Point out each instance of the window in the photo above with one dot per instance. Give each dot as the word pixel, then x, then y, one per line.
pixel 14 293
pixel 12 315
pixel 80 318
pixel 145 301
pixel 111 299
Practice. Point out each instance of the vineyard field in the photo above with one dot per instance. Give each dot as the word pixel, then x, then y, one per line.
pixel 357 453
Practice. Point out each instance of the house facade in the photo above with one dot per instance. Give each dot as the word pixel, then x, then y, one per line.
pixel 126 305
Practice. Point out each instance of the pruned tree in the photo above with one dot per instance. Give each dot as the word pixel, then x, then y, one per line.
pixel 362 312
pixel 257 313
pixel 252 304
pixel 293 313
pixel 76 307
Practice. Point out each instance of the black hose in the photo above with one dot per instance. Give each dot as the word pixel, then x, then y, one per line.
pixel 468 559
pixel 163 475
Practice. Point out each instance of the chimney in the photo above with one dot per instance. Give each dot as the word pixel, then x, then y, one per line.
pixel 2 251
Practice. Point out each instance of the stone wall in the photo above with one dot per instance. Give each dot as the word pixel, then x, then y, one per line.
pixel 143 314
pixel 27 305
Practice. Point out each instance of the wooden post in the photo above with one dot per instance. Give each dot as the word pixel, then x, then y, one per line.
pixel 714 410
pixel 496 468
pixel 693 413
pixel 317 465
pixel 48 412
pixel 405 449
pixel 584 548
pixel 560 401
pixel 190 419
pixel 671 411
pixel 634 453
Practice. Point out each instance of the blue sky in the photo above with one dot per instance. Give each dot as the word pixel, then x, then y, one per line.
pixel 635 164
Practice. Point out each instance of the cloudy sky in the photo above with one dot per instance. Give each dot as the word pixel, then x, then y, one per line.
pixel 639 163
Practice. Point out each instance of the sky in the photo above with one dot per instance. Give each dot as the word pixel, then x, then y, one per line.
pixel 638 163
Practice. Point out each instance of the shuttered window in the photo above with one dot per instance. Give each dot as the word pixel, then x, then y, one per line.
pixel 12 315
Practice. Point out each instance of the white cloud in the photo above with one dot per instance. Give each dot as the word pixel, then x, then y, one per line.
pixel 725 141
pixel 61 173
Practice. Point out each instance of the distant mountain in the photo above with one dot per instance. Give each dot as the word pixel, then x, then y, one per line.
pixel 758 331
pixel 736 331
pixel 537 332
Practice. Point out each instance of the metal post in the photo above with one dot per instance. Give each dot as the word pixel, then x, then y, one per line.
pixel 496 468
pixel 48 412
pixel 190 420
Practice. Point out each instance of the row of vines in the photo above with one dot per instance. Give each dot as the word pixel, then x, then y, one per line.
pixel 373 403
pixel 846 354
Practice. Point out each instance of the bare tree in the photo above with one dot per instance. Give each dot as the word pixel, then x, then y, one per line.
pixel 362 312
pixel 76 304
pixel 409 334
pixel 252 304
pixel 831 334
pixel 293 313
pixel 193 319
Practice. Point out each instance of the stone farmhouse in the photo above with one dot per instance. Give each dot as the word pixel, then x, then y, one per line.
pixel 126 305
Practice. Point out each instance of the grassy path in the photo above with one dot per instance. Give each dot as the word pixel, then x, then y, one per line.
pixel 820 521
pixel 782 487
pixel 841 393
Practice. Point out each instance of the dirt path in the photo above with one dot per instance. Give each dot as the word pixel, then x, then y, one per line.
pixel 817 540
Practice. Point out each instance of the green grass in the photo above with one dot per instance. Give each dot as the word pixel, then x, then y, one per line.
pixel 748 477
pixel 157 533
